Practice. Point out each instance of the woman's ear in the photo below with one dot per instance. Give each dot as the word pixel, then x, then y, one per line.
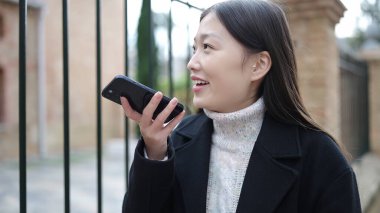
pixel 262 63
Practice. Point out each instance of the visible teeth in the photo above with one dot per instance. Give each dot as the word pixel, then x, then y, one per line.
pixel 200 82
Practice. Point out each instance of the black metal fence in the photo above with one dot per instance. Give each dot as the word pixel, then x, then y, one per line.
pixel 354 104
pixel 354 99
pixel 23 5
pixel 22 103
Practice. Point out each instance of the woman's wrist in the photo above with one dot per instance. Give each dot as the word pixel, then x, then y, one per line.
pixel 157 152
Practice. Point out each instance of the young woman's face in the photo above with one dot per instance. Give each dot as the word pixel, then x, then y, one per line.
pixel 220 69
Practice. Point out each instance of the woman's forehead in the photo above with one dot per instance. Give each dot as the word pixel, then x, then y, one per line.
pixel 210 26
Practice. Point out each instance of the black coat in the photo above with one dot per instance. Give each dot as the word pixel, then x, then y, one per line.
pixel 291 170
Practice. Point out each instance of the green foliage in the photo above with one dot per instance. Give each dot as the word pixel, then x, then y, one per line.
pixel 357 40
pixel 181 90
pixel 147 60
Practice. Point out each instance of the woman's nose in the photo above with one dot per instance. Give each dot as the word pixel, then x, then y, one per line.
pixel 193 64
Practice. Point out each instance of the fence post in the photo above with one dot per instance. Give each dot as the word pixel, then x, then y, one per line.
pixel 66 113
pixel 312 27
pixel 126 68
pixel 170 62
pixel 98 101
pixel 22 102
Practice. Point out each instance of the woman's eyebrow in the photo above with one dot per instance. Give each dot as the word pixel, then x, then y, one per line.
pixel 203 36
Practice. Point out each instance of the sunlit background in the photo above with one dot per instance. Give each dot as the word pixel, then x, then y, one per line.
pixel 45 136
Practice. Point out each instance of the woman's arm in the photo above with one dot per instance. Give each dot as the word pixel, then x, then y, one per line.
pixel 155 132
pixel 151 180
pixel 150 183
pixel 341 195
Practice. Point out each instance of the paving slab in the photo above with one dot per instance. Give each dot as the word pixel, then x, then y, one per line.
pixel 45 187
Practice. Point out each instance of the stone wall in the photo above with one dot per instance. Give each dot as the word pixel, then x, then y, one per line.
pixel 9 63
pixel 374 88
pixel 45 21
pixel 82 68
pixel 312 27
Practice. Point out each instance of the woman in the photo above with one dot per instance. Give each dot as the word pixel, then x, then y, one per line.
pixel 254 148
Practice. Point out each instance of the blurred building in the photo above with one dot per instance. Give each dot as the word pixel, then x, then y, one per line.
pixel 333 79
pixel 45 74
pixel 340 87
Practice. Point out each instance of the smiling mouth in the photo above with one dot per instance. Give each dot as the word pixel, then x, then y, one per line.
pixel 200 82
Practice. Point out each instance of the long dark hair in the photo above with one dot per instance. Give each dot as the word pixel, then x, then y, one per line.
pixel 262 26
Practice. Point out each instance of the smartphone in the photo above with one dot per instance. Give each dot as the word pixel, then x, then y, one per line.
pixel 138 96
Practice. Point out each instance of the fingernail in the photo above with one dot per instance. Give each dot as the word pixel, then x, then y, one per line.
pixel 159 94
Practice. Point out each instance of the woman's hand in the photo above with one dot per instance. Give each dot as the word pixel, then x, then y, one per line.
pixel 155 132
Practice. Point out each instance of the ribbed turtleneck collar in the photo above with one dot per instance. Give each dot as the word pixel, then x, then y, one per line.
pixel 235 129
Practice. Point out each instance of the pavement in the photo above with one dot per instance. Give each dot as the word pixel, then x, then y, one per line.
pixel 367 170
pixel 45 185
pixel 45 182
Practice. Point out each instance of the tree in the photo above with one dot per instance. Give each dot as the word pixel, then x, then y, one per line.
pixel 147 60
pixel 372 10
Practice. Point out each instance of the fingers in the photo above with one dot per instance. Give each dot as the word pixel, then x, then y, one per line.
pixel 160 119
pixel 148 111
pixel 173 123
pixel 129 112
pixel 145 120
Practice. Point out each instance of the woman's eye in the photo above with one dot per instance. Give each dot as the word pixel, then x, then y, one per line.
pixel 205 47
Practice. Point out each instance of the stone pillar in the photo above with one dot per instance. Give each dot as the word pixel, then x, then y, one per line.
pixel 312 25
pixel 372 56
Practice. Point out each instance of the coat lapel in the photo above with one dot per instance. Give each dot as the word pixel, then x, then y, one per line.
pixel 192 164
pixel 268 178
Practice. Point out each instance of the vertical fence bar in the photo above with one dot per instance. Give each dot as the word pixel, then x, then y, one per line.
pixel 22 102
pixel 170 27
pixel 151 46
pixel 66 113
pixel 98 101
pixel 126 68
pixel 189 51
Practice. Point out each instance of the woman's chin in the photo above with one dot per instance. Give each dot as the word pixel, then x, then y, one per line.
pixel 198 103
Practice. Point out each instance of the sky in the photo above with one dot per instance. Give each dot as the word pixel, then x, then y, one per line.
pixel 186 21
pixel 346 26
pixel 343 29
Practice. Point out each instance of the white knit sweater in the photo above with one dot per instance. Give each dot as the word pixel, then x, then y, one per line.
pixel 233 139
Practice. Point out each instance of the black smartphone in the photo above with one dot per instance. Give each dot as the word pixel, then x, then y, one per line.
pixel 138 96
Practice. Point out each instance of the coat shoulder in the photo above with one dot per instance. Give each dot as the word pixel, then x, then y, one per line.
pixel 322 155
pixel 326 174
pixel 321 145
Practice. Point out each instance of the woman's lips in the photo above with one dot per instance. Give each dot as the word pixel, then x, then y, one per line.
pixel 198 85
